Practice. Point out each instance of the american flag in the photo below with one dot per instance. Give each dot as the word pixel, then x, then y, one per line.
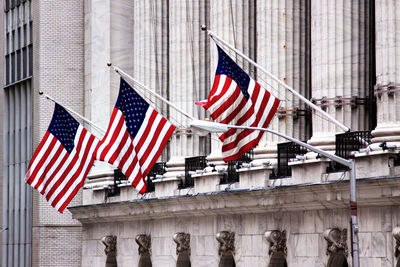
pixel 237 99
pixel 62 160
pixel 135 138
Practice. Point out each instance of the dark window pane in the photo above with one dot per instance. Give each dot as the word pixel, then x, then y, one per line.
pixel 30 51
pixel 18 65
pixel 25 62
pixel 7 69
pixel 12 67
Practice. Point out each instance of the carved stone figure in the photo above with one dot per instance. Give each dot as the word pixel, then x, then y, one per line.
pixel 182 241
pixel 396 235
pixel 144 242
pixel 277 248
pixel 226 249
pixel 110 241
pixel 337 247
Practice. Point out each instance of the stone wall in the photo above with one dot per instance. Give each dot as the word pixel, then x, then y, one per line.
pixel 304 211
pixel 58 60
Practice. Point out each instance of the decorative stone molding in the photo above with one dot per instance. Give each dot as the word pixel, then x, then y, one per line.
pixel 144 242
pixel 257 200
pixel 110 241
pixel 226 248
pixel 277 248
pixel 337 246
pixel 182 241
pixel 396 235
pixel 277 241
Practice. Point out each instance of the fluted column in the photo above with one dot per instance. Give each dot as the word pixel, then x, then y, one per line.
pixel 387 71
pixel 341 74
pixel 235 22
pixel 146 59
pixel 188 77
pixel 283 48
pixel 97 74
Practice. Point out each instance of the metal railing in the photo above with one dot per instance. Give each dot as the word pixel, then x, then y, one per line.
pixel 192 164
pixel 159 168
pixel 231 175
pixel 345 144
pixel 286 152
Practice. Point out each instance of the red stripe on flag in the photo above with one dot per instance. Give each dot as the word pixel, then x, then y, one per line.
pixel 212 99
pixel 121 145
pixel 170 131
pixel 49 166
pixel 153 141
pixel 146 132
pixel 228 105
pixel 113 138
pixel 77 173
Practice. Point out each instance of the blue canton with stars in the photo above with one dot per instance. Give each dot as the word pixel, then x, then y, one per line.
pixel 133 106
pixel 226 66
pixel 64 127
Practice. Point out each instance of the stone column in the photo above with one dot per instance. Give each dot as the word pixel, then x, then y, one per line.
pixel 283 48
pixel 97 74
pixel 387 72
pixel 188 78
pixel 341 76
pixel 235 22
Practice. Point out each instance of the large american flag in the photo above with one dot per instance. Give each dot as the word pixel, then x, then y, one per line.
pixel 135 138
pixel 62 160
pixel 237 99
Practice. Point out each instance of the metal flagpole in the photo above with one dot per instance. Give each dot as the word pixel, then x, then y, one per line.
pixel 308 102
pixel 122 73
pixel 73 112
pixel 219 127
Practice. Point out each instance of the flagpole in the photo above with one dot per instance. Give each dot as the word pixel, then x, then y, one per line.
pixel 220 127
pixel 122 73
pixel 308 102
pixel 73 112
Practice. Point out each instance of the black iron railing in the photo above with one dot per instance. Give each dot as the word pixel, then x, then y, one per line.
pixel 114 190
pixel 351 141
pixel 159 168
pixel 192 164
pixel 345 144
pixel 232 176
pixel 286 152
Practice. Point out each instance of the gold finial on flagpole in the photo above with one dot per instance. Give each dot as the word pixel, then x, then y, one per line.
pixel 109 63
pixel 40 92
pixel 203 27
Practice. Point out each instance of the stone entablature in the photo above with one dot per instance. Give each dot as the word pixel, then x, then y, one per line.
pixel 371 192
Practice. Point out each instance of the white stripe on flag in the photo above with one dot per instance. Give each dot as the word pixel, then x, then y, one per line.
pixel 109 136
pixel 156 145
pixel 76 166
pixel 80 177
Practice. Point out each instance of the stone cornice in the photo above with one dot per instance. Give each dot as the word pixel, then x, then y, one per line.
pixel 376 191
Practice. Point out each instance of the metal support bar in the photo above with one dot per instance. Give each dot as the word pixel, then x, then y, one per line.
pixel 353 215
pixel 308 102
pixel 74 112
pixel 122 73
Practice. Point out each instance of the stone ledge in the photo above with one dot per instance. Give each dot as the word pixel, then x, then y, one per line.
pixel 371 192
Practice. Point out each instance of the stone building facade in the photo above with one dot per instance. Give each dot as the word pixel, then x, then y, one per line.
pixel 340 54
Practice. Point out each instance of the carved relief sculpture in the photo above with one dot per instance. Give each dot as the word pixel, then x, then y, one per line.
pixel 182 241
pixel 396 235
pixel 144 242
pixel 337 247
pixel 277 248
pixel 110 241
pixel 226 249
